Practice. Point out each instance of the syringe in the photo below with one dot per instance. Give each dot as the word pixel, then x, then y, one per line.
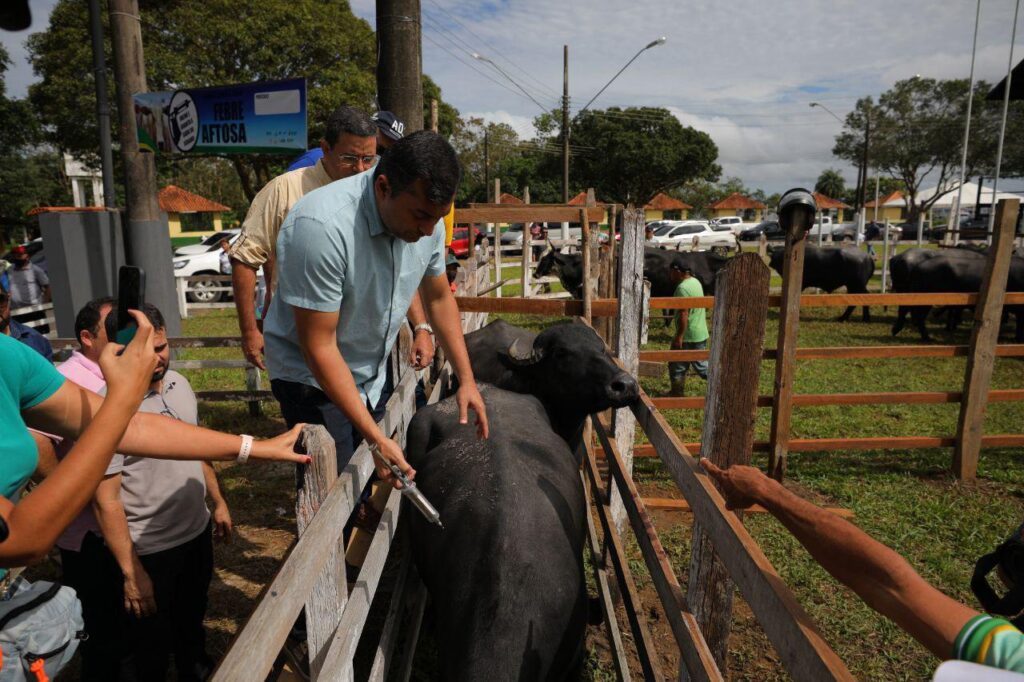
pixel 413 494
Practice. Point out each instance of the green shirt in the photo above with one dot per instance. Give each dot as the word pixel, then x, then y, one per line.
pixel 26 379
pixel 990 641
pixel 697 325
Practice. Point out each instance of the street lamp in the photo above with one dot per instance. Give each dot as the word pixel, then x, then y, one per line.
pixel 653 43
pixel 831 113
pixel 862 172
pixel 479 57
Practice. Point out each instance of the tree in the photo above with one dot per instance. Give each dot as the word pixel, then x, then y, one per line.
pixel 214 42
pixel 701 193
pixel 629 155
pixel 916 129
pixel 447 115
pixel 831 183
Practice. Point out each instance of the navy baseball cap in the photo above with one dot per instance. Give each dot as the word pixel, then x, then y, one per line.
pixel 389 125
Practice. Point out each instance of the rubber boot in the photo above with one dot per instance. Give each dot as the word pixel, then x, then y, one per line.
pixel 678 387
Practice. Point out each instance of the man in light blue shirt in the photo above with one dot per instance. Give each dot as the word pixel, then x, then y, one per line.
pixel 350 256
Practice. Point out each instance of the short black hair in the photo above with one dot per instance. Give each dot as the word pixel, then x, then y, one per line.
pixel 151 312
pixel 346 119
pixel 88 318
pixel 424 155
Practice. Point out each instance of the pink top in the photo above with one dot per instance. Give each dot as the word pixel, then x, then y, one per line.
pixel 88 375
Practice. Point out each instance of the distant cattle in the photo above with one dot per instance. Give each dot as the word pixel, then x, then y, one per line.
pixel 506 574
pixel 831 269
pixel 568 267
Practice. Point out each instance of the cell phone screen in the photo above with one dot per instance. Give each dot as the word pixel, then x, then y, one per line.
pixel 131 295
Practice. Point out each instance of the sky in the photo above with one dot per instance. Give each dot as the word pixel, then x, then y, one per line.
pixel 744 71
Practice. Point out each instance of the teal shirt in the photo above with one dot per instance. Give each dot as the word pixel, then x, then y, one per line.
pixel 697 324
pixel 990 641
pixel 335 255
pixel 26 379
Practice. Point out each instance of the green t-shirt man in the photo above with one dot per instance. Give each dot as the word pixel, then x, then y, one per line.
pixel 697 323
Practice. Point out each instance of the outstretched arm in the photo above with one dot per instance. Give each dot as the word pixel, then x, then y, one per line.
pixel 879 576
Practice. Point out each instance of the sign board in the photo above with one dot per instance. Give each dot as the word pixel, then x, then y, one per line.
pixel 255 118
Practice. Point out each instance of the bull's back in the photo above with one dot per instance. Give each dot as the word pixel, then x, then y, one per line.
pixel 505 575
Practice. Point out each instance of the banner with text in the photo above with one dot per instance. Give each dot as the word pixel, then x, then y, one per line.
pixel 256 118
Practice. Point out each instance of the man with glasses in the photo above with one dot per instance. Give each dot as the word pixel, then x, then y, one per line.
pixel 349 147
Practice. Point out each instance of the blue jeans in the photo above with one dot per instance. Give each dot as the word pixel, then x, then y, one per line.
pixel 677 370
pixel 304 404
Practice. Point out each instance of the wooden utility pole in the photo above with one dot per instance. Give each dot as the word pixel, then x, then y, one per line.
pixel 399 61
pixel 982 354
pixel 737 341
pixel 565 126
pixel 147 242
pixel 796 215
pixel 433 115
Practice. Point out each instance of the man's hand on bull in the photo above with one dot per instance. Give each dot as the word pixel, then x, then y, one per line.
pixel 422 352
pixel 468 397
pixel 390 452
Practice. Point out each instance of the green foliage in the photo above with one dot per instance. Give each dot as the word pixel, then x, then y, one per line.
pixel 447 115
pixel 831 183
pixel 215 42
pixel 629 155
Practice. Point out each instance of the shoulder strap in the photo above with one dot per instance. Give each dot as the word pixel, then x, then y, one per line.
pixel 46 596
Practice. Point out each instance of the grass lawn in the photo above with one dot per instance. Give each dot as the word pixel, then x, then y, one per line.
pixel 906 499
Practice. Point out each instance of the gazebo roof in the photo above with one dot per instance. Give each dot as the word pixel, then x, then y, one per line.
pixel 825 202
pixel 737 202
pixel 663 202
pixel 174 199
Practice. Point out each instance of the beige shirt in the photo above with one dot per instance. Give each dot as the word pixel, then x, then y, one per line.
pixel 258 240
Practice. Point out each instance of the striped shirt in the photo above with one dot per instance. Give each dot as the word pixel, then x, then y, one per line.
pixel 991 641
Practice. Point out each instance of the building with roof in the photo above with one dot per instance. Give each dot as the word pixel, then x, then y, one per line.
pixel 190 215
pixel 581 200
pixel 832 207
pixel 737 204
pixel 664 207
pixel 507 198
pixel 891 207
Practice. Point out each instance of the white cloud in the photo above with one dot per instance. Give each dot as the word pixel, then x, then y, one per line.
pixel 743 70
pixel 523 125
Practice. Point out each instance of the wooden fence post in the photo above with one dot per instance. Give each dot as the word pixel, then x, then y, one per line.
pixel 981 356
pixel 497 241
pixel 527 250
pixel 254 382
pixel 325 602
pixel 588 267
pixel 762 246
pixel 627 344
pixel 795 216
pixel 737 342
pixel 885 255
pixel 182 287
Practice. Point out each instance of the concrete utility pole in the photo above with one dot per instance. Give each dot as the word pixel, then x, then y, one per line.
pixel 99 65
pixel 487 166
pixel 147 243
pixel 565 124
pixel 399 62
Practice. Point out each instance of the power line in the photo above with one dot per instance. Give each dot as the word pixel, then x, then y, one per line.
pixel 474 67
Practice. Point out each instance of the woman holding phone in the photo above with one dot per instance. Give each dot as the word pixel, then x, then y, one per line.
pixel 33 394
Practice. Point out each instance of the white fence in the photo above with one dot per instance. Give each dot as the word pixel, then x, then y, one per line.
pixel 47 319
pixel 200 284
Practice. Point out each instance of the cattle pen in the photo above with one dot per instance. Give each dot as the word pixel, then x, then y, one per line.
pixel 313 575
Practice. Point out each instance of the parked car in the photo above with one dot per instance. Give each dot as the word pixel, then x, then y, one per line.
pixel 461 244
pixel 769 228
pixel 733 223
pixel 875 232
pixel 908 230
pixel 210 243
pixel 679 235
pixel 824 224
pixel 205 263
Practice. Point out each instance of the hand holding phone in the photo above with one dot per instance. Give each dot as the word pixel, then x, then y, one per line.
pixel 131 295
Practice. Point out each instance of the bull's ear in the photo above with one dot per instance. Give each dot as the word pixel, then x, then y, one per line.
pixel 521 357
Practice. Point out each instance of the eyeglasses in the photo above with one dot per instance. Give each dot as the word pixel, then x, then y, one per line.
pixel 353 160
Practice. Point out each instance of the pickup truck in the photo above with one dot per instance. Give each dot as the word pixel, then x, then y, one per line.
pixel 678 235
pixel 733 223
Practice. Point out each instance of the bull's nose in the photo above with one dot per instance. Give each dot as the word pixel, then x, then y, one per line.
pixel 622 390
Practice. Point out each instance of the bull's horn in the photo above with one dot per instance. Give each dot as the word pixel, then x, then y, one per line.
pixel 519 357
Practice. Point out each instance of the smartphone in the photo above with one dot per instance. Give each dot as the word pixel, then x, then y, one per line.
pixel 131 295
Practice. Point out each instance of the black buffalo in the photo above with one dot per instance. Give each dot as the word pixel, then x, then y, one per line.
pixel 831 269
pixel 704 264
pixel 901 269
pixel 506 575
pixel 955 271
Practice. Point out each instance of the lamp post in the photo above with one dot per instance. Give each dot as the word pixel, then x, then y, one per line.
pixel 862 170
pixel 654 43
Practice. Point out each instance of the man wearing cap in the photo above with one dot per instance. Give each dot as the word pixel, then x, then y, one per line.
pixel 389 129
pixel 691 327
pixel 29 283
pixel 349 147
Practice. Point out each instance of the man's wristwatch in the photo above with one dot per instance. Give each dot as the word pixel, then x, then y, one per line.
pixel 425 327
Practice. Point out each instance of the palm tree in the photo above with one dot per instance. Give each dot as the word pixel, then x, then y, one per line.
pixel 830 183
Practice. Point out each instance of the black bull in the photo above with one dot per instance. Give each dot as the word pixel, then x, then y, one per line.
pixel 831 269
pixel 506 575
pixel 926 271
pixel 704 264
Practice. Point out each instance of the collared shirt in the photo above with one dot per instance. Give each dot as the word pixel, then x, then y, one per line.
pixel 164 499
pixel 335 255
pixel 268 210
pixel 88 375
pixel 31 338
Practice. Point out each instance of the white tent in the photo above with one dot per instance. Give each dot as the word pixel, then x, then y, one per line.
pixel 969 196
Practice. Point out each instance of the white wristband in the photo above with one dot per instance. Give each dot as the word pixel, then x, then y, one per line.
pixel 425 326
pixel 245 449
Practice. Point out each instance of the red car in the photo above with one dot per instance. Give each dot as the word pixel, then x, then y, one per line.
pixel 460 240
